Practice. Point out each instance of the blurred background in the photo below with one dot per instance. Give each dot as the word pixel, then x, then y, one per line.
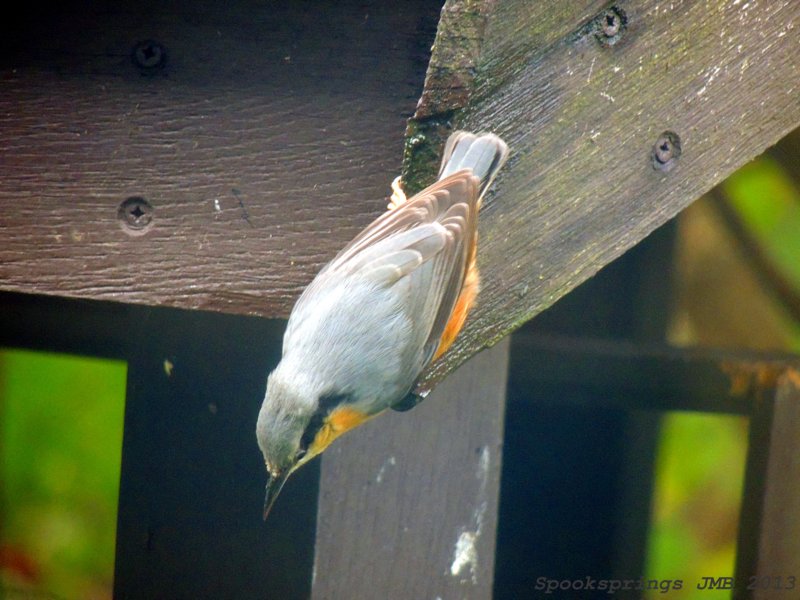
pixel 60 450
pixel 736 276
pixel 737 285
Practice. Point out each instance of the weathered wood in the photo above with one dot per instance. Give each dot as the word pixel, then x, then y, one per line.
pixel 270 135
pixel 192 478
pixel 408 507
pixel 266 141
pixel 582 118
pixel 768 554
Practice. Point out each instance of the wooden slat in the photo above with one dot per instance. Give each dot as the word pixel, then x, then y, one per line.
pixel 265 143
pixel 408 505
pixel 650 376
pixel 768 555
pixel 779 541
pixel 582 119
pixel 51 324
pixel 192 478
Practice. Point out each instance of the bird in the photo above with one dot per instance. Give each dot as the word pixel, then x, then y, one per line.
pixel 387 305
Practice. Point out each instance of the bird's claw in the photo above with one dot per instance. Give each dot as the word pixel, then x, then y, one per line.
pixel 398 197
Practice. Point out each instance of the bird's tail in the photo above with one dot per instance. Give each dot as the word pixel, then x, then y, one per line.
pixel 484 153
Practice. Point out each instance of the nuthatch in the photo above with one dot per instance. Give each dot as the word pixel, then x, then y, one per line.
pixel 392 301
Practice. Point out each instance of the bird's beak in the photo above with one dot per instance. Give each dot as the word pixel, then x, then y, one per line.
pixel 274 485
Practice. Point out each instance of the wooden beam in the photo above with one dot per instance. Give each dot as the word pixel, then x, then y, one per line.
pixel 192 479
pixel 768 554
pixel 408 507
pixel 583 113
pixel 649 376
pixel 264 142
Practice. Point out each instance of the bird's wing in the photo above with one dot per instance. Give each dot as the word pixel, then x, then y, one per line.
pixel 424 243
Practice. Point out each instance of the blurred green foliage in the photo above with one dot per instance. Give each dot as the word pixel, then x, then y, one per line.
pixel 60 448
pixel 768 202
pixel 699 479
pixel 700 464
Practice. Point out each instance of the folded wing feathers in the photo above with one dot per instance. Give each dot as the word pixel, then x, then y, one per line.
pixel 429 239
pixel 419 210
pixel 405 252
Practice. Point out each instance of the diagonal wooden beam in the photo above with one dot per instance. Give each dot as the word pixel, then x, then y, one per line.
pixel 585 113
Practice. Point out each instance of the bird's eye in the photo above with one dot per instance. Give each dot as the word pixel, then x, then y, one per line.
pixel 301 452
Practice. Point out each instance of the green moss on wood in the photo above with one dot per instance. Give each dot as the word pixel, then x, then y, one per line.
pixel 448 84
pixel 422 151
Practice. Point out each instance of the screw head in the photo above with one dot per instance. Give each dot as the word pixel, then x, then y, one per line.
pixel 135 215
pixel 666 151
pixel 149 56
pixel 610 25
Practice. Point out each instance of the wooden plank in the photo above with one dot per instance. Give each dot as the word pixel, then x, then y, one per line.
pixel 266 141
pixel 768 555
pixel 192 480
pixel 639 376
pixel 408 507
pixel 567 442
pixel 583 117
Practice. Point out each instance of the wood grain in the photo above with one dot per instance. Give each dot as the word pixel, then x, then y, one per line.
pixel 768 554
pixel 779 542
pixel 266 142
pixel 582 119
pixel 408 507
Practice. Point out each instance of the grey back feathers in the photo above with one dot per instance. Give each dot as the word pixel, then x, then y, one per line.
pixel 373 317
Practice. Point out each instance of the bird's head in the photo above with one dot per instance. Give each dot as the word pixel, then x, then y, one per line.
pixel 295 424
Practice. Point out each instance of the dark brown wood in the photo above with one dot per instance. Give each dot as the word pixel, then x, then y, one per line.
pixel 267 140
pixel 651 376
pixel 448 86
pixel 408 507
pixel 582 119
pixel 192 477
pixel 768 554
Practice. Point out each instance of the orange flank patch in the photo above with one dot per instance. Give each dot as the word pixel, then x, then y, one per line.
pixel 345 418
pixel 466 299
pixel 340 420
